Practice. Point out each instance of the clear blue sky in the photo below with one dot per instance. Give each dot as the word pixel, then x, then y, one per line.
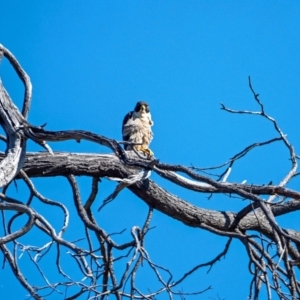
pixel 91 61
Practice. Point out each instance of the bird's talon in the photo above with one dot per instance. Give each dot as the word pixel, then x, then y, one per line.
pixel 147 152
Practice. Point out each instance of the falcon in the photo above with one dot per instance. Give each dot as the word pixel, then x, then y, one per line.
pixel 136 129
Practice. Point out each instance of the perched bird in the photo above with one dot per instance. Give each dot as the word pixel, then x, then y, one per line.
pixel 136 128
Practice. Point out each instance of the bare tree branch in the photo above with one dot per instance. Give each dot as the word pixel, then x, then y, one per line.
pixel 107 267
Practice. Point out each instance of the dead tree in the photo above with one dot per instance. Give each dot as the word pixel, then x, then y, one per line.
pixel 273 251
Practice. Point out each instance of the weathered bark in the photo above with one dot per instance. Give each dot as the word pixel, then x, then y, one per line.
pixel 44 164
pixel 11 120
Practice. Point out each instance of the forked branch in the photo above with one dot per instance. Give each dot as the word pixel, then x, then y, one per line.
pixel 104 265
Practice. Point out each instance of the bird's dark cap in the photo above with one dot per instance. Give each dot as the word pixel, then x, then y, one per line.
pixel 139 104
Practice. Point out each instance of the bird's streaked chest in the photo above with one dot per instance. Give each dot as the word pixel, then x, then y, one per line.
pixel 144 119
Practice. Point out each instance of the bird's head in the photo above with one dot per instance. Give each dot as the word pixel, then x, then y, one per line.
pixel 142 107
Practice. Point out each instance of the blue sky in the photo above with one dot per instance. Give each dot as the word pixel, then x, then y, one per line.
pixel 91 61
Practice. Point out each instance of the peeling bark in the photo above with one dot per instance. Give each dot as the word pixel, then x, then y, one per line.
pixel 10 120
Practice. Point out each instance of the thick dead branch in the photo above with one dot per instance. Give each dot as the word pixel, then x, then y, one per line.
pixel 10 119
